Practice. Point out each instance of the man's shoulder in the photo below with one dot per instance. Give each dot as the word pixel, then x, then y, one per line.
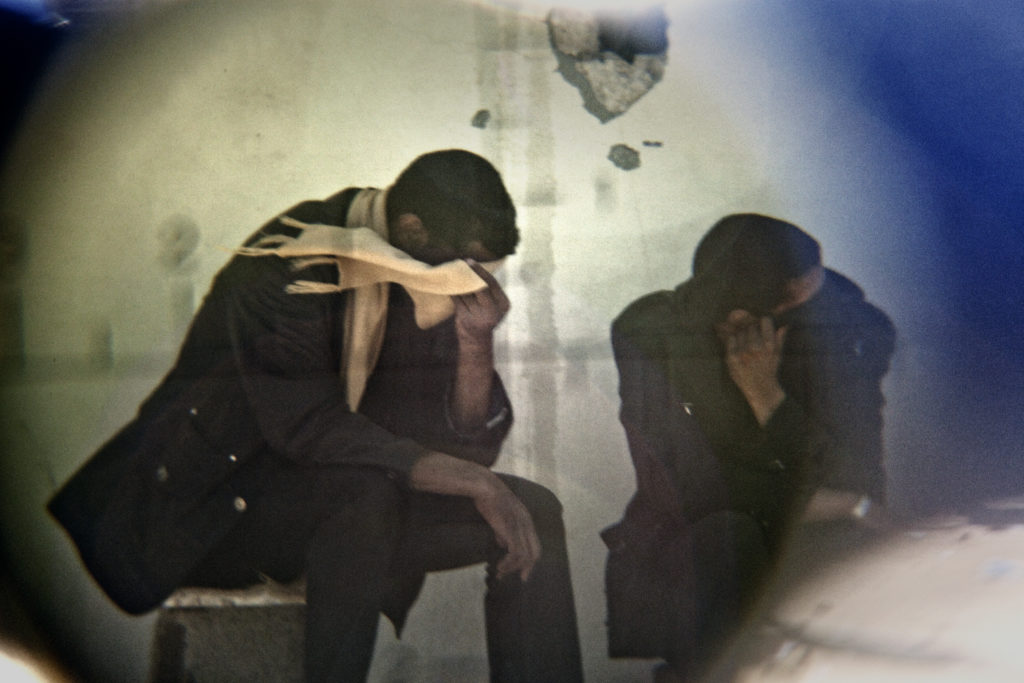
pixel 650 314
pixel 848 302
pixel 650 326
pixel 330 211
pixel 272 273
pixel 852 328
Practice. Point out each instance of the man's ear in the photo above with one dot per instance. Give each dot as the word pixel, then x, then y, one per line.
pixel 409 231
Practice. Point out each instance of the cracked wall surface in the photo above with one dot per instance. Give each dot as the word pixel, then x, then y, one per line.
pixel 612 58
pixel 168 139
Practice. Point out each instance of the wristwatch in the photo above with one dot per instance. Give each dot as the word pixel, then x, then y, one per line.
pixel 860 510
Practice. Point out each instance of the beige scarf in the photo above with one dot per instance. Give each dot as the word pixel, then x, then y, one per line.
pixel 366 263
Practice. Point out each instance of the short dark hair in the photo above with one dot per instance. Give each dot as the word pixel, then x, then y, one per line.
pixel 460 197
pixel 755 256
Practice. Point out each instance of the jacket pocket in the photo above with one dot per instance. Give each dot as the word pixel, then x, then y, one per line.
pixel 184 462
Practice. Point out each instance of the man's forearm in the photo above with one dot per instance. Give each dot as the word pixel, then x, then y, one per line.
pixel 832 504
pixel 445 474
pixel 763 403
pixel 476 316
pixel 828 504
pixel 474 379
pixel 506 515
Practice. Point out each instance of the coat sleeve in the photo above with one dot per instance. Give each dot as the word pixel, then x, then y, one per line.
pixel 425 416
pixel 677 473
pixel 852 402
pixel 285 351
pixel 765 472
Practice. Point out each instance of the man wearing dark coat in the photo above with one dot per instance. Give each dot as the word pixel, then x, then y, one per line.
pixel 333 414
pixel 751 398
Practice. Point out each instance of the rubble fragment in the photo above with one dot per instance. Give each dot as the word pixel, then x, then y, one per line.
pixel 613 59
pixel 179 237
pixel 624 156
pixel 575 32
pixel 481 118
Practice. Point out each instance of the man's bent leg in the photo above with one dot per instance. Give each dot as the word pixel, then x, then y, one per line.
pixel 338 525
pixel 346 566
pixel 531 626
pixel 532 635
pixel 726 558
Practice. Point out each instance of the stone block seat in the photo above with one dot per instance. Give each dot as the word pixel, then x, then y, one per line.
pixel 208 635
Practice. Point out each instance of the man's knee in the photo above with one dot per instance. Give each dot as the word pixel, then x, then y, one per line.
pixel 730 543
pixel 545 510
pixel 539 500
pixel 365 509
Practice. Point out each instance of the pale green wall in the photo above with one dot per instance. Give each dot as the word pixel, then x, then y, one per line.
pixel 224 113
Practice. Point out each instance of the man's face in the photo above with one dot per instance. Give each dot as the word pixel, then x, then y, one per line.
pixel 435 254
pixel 411 236
pixel 798 292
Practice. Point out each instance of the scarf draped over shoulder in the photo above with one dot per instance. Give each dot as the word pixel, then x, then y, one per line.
pixel 366 264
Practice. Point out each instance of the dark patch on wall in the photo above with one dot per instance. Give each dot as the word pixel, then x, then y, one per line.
pixel 481 118
pixel 13 252
pixel 625 157
pixel 628 34
pixel 12 247
pixel 605 197
pixel 102 346
pixel 27 44
pixel 12 330
pixel 179 237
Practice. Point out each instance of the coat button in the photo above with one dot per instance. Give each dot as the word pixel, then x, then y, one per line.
pixel 233 458
pixel 240 504
pixel 161 474
pixel 193 411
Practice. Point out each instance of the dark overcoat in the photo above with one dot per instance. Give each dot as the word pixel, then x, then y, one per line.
pixel 698 450
pixel 256 387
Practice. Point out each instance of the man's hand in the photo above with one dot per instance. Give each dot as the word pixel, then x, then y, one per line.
pixel 504 513
pixel 513 529
pixel 753 352
pixel 478 313
pixel 476 316
pixel 831 504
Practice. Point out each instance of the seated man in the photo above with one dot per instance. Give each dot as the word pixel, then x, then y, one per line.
pixel 751 397
pixel 323 422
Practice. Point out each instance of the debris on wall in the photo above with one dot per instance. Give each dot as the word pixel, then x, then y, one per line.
pixel 613 59
pixel 625 157
pixel 178 239
pixel 481 118
pixel 178 236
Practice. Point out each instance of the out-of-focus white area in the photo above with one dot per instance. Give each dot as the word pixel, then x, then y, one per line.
pixel 18 665
pixel 940 601
pixel 214 116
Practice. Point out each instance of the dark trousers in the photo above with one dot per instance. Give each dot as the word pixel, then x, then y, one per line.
pixel 679 592
pixel 363 543
pixel 725 563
